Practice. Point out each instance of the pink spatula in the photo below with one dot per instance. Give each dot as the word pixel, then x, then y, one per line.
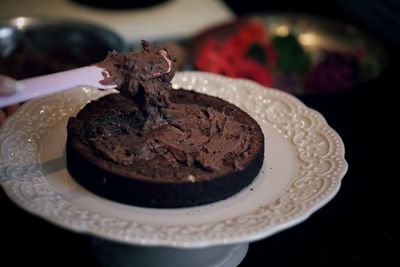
pixel 56 82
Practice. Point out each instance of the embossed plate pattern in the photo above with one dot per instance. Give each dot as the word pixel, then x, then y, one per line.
pixel 303 167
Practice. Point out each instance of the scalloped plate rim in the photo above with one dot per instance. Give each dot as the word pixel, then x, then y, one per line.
pixel 7 184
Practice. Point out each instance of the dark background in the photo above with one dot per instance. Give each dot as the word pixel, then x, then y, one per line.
pixel 356 228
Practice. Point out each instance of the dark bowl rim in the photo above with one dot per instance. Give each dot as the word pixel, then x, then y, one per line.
pixel 30 22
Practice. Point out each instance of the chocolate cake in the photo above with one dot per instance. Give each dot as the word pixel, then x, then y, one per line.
pixel 153 146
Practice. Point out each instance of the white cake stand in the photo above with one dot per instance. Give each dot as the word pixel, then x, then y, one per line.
pixel 303 167
pixel 111 254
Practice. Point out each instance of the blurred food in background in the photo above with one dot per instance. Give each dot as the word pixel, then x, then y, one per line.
pixel 294 52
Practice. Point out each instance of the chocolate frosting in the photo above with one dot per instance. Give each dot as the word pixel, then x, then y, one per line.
pixel 144 76
pixel 181 133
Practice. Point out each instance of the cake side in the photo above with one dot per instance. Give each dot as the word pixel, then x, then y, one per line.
pixel 158 183
pixel 158 195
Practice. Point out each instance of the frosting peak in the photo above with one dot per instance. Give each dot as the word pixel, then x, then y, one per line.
pixel 144 76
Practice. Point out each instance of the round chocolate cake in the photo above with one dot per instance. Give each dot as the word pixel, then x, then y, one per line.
pixel 153 146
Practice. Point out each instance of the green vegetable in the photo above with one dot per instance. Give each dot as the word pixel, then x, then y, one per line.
pixel 291 56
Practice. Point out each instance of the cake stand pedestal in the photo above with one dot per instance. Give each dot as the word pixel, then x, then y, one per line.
pixel 111 254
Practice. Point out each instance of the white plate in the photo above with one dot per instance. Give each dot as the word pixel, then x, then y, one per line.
pixel 303 167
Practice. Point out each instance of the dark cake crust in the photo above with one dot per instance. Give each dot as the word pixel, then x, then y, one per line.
pixel 157 183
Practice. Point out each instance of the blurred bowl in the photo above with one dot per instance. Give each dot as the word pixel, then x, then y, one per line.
pixel 298 53
pixel 32 46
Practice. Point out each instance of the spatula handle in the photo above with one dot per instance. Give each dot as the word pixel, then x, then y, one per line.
pixel 56 82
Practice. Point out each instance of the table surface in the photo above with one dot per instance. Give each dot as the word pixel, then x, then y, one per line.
pixel 355 228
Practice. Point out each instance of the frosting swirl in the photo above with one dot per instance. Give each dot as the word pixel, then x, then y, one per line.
pixel 152 125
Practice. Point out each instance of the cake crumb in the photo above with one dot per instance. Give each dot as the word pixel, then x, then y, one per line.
pixel 191 178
